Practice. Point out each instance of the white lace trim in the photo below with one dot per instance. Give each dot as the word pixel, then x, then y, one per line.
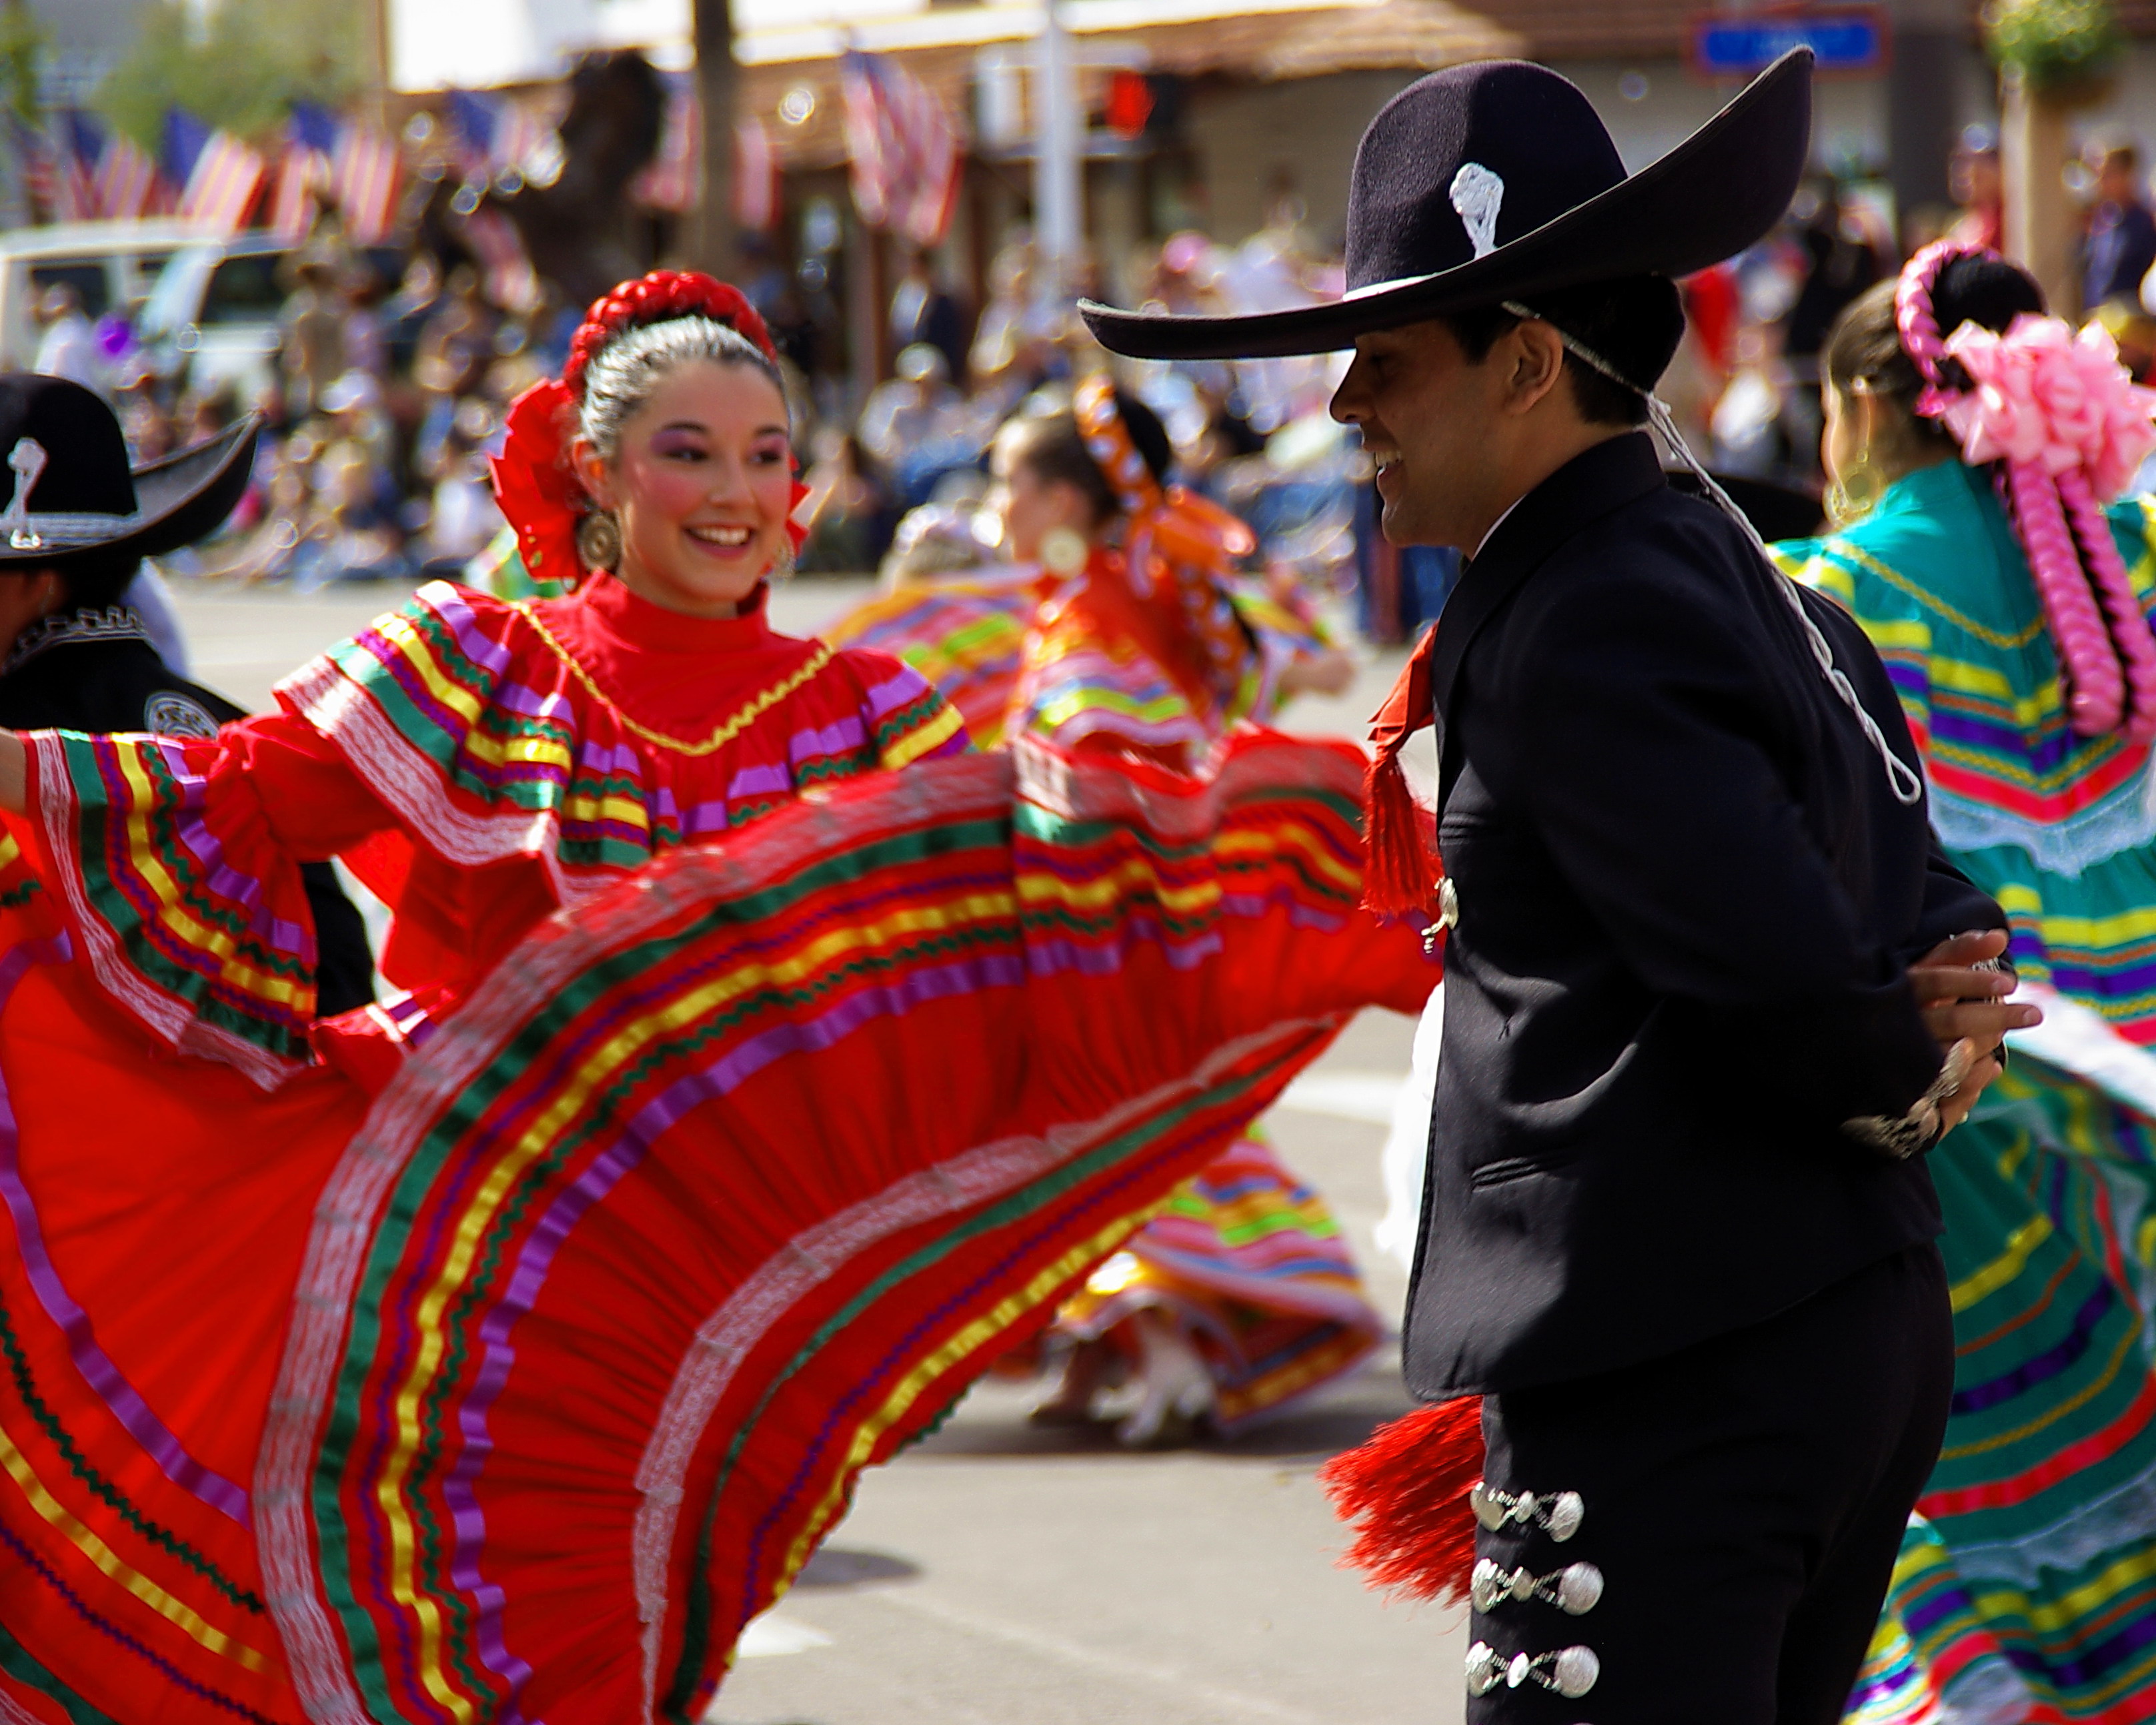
pixel 2123 821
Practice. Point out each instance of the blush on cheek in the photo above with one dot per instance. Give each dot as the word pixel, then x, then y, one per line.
pixel 670 489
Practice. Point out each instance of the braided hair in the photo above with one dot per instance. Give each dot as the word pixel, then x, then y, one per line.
pixel 631 340
pixel 2106 654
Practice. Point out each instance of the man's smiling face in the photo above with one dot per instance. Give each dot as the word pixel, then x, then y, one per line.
pixel 1430 418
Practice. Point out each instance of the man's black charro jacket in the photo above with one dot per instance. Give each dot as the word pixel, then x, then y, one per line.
pixel 1687 898
pixel 95 670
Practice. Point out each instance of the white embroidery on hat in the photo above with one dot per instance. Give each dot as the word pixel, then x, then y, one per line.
pixel 28 459
pixel 1478 192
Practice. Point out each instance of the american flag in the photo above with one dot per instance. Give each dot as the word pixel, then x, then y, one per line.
pixel 511 281
pixel 903 146
pixel 494 134
pixel 77 146
pixel 673 179
pixel 219 176
pixel 128 183
pixel 40 174
pixel 756 177
pixel 303 172
pixel 367 174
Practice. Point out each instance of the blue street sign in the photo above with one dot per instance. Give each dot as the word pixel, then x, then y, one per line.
pixel 1844 39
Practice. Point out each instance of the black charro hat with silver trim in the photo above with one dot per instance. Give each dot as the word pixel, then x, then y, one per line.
pixel 68 495
pixel 1497 181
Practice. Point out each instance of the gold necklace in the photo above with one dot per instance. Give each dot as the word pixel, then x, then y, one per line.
pixel 758 705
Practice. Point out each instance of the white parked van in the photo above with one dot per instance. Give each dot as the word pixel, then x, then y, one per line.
pixel 113 265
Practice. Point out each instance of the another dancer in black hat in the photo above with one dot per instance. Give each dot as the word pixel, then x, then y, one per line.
pixel 1679 1231
pixel 73 654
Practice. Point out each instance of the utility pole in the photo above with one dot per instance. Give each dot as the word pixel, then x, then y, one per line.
pixel 1058 210
pixel 713 242
pixel 378 49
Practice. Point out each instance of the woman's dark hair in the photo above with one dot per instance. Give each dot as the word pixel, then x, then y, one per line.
pixel 1053 447
pixel 1864 349
pixel 1634 325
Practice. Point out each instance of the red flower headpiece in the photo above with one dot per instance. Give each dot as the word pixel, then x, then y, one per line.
pixel 537 489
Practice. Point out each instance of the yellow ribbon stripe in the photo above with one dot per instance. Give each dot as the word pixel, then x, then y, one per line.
pixel 817 958
pixel 102 1555
pixel 143 856
pixel 908 1390
pixel 910 748
pixel 2003 1268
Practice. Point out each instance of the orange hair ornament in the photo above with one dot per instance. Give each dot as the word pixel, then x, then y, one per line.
pixel 1175 543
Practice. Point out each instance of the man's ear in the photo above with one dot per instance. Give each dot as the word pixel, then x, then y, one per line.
pixel 1537 363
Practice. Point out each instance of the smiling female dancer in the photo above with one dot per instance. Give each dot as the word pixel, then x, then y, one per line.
pixel 497 1350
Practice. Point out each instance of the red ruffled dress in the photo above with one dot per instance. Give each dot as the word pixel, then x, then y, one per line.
pixel 742 1100
pixel 1248 1260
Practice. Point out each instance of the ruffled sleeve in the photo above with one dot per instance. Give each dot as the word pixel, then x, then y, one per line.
pixel 907 720
pixel 175 863
pixel 1281 634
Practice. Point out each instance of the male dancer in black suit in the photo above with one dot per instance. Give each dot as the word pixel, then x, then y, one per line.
pixel 1711 989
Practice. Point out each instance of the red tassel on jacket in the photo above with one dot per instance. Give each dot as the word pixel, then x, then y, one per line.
pixel 1402 873
pixel 1407 1486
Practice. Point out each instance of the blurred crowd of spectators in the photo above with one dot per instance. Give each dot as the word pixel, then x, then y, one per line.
pixel 380 406
pixel 385 397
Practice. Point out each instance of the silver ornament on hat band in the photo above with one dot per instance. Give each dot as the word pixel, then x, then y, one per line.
pixel 1901 779
pixel 28 459
pixel 1574 1590
pixel 1557 1513
pixel 1478 194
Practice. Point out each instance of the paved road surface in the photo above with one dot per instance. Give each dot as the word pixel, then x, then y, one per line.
pixel 999 1575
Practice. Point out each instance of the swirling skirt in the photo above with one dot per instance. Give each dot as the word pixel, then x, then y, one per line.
pixel 517 1394
pixel 2026 1587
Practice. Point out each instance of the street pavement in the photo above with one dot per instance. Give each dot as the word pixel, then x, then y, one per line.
pixel 999 1574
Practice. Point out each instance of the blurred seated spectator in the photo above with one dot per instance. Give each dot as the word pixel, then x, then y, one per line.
pixel 404 313
pixel 911 406
pixel 924 310
pixel 66 343
pixel 935 540
pixel 145 424
pixel 1974 183
pixel 848 511
pixel 353 406
pixel 312 322
pixel 365 330
pixel 2120 247
pixel 1011 356
pixel 463 515
pixel 456 343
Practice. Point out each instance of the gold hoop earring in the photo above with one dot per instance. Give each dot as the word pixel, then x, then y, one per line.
pixel 1063 551
pixel 1855 493
pixel 599 540
pixel 781 563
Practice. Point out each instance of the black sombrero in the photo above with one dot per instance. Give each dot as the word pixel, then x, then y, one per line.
pixel 83 501
pixel 1497 181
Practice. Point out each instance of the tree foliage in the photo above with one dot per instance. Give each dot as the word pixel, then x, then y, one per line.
pixel 2054 44
pixel 21 51
pixel 243 71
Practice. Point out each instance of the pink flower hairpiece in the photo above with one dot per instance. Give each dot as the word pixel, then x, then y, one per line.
pixel 2063 429
pixel 2044 395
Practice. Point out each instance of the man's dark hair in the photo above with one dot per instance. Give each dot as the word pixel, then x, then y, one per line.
pixel 1633 325
pixel 94 583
